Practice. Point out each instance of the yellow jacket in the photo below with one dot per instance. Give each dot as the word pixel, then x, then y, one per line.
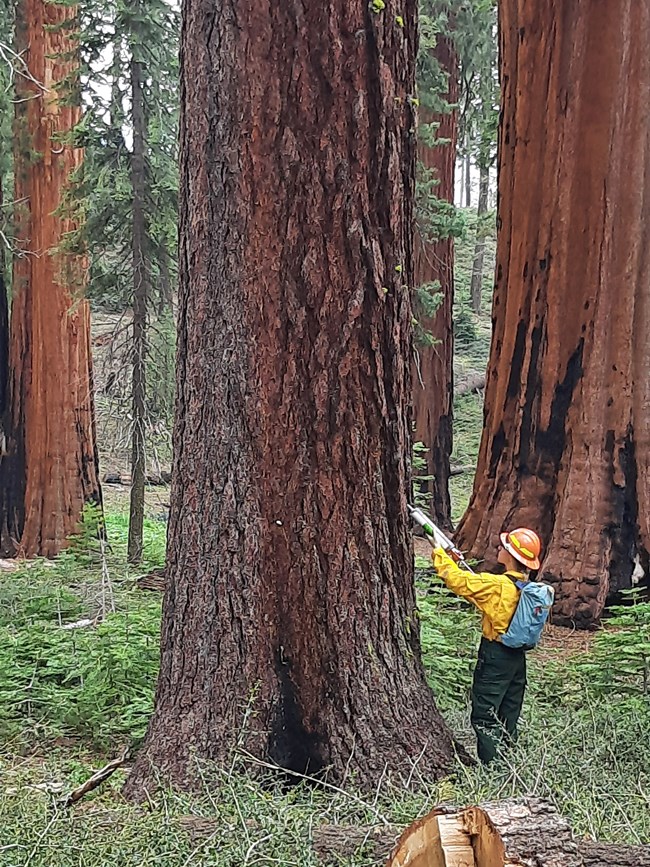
pixel 496 596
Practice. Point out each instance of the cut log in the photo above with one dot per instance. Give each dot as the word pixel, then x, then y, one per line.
pixel 524 833
pixel 475 381
pixel 512 833
pixel 604 855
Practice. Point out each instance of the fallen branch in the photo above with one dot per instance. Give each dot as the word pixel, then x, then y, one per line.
pixel 472 383
pixel 459 470
pixel 154 580
pixel 81 624
pixel 93 782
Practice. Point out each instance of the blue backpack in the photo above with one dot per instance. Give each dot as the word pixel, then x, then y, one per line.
pixel 531 614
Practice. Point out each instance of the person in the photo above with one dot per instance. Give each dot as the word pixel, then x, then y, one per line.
pixel 499 679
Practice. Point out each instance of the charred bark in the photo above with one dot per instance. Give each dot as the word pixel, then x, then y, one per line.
pixel 289 622
pixel 140 303
pixel 434 263
pixel 476 285
pixel 51 469
pixel 566 442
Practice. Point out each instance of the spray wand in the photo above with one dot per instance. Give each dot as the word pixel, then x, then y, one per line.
pixel 436 537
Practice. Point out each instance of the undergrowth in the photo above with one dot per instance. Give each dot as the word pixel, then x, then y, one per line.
pixel 71 698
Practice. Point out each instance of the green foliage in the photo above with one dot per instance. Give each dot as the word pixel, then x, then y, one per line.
pixel 437 218
pixel 448 662
pixel 475 38
pixel 113 34
pixel 619 664
pixel 468 425
pixel 92 681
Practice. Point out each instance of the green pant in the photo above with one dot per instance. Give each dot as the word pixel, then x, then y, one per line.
pixel 497 696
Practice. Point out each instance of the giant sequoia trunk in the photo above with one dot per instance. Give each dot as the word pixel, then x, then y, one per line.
pixel 289 622
pixel 434 262
pixel 565 447
pixel 50 470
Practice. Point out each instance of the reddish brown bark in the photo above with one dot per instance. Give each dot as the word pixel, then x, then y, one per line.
pixel 566 444
pixel 289 621
pixel 51 468
pixel 434 262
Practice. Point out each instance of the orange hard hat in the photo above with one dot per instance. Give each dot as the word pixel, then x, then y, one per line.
pixel 524 545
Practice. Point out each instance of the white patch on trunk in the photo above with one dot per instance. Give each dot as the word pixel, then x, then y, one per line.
pixel 638 571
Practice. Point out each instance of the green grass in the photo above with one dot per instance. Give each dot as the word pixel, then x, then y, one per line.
pixel 468 422
pixel 471 351
pixel 70 699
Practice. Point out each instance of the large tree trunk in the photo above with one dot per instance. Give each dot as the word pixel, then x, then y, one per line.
pixel 289 622
pixel 51 470
pixel 140 302
pixel 566 443
pixel 476 286
pixel 434 262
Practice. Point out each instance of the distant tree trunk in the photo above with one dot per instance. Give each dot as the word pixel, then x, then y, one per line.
pixel 434 262
pixel 165 292
pixel 468 173
pixel 4 350
pixel 566 443
pixel 51 470
pixel 140 301
pixel 476 288
pixel 289 621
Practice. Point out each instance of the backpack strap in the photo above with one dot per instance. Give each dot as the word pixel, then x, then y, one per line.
pixel 519 584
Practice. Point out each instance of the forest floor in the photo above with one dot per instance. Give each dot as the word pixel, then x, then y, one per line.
pixel 72 698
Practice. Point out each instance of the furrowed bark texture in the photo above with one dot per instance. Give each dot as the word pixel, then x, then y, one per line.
pixel 289 620
pixel 51 469
pixel 434 262
pixel 565 447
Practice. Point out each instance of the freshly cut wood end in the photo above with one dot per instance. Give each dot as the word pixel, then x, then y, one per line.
pixel 464 839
